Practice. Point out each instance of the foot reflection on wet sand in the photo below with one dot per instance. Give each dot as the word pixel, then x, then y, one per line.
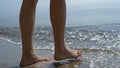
pixel 66 64
pixel 57 64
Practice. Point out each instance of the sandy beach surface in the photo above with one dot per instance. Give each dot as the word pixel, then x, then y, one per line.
pixel 10 55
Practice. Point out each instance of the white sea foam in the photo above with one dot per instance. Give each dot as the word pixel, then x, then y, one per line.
pixel 9 41
pixel 97 37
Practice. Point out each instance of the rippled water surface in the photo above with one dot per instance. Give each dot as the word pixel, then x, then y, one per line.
pixel 100 43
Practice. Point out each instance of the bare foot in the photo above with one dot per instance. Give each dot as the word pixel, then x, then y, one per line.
pixel 34 59
pixel 67 53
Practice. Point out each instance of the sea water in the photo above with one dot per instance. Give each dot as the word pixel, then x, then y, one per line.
pixel 100 43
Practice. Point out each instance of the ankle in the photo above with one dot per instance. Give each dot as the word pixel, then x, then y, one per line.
pixel 28 60
pixel 28 56
pixel 59 50
pixel 60 47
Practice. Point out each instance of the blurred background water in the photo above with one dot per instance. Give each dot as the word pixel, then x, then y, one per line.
pixel 79 12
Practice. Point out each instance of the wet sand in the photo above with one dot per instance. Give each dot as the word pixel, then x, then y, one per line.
pixel 10 55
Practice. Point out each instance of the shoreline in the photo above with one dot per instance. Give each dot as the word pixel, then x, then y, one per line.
pixel 10 54
pixel 10 57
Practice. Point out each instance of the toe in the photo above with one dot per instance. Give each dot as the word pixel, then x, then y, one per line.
pixel 79 52
pixel 48 59
pixel 43 59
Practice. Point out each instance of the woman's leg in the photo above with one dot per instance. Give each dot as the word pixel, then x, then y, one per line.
pixel 58 20
pixel 27 20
